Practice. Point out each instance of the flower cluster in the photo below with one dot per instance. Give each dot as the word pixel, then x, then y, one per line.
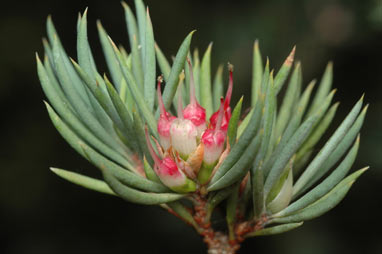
pixel 189 146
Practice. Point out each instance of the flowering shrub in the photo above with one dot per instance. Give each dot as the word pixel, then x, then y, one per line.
pixel 187 144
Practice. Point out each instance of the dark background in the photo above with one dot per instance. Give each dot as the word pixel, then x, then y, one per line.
pixel 41 213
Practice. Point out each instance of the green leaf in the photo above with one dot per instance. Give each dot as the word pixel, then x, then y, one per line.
pixel 111 59
pixel 205 82
pixel 49 83
pixel 84 181
pixel 131 23
pixel 281 193
pixel 244 123
pixel 173 79
pixel 275 230
pixel 64 109
pixel 238 149
pixel 282 74
pixel 286 109
pixel 181 211
pixel 339 151
pixel 139 130
pixel 265 78
pixel 85 57
pixel 140 9
pixel 317 133
pixel 57 51
pixel 48 52
pixel 150 66
pixel 124 115
pixel 137 94
pixel 231 211
pixel 287 152
pixel 132 30
pixel 257 182
pixel 126 177
pixel 196 70
pixel 102 98
pixel 324 204
pixel 257 72
pixel 217 91
pixel 100 161
pixel 240 168
pixel 135 196
pixel 292 127
pixel 233 123
pixel 267 121
pixel 324 187
pixel 304 99
pixel 137 65
pixel 323 89
pixel 68 79
pixel 164 65
pixel 328 148
pixel 150 174
pixel 215 198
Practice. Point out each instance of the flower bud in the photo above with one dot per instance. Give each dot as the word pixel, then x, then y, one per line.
pixel 213 140
pixel 168 172
pixel 165 120
pixel 193 111
pixel 170 175
pixel 183 135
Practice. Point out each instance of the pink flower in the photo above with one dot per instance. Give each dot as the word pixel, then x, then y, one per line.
pixel 213 140
pixel 168 171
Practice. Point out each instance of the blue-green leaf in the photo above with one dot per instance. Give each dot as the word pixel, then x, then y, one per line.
pixel 275 230
pixel 282 74
pixel 164 65
pixel 205 82
pixel 84 181
pixel 328 148
pixel 324 187
pixel 233 123
pixel 257 73
pixel 339 151
pixel 135 196
pixel 323 89
pixel 238 149
pixel 177 67
pixel 150 66
pixel 241 167
pixel 324 204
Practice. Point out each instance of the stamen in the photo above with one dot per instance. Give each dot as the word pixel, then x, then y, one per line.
pixel 162 109
pixel 180 99
pixel 230 86
pixel 192 83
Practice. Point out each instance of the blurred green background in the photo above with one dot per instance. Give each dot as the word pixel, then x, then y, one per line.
pixel 40 213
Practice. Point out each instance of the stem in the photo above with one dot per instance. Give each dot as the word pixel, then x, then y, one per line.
pixel 217 242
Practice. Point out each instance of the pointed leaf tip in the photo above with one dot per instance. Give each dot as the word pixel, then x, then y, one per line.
pixel 290 58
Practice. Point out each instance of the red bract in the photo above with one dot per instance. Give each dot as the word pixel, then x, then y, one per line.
pixel 193 111
pixel 164 121
pixel 227 108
